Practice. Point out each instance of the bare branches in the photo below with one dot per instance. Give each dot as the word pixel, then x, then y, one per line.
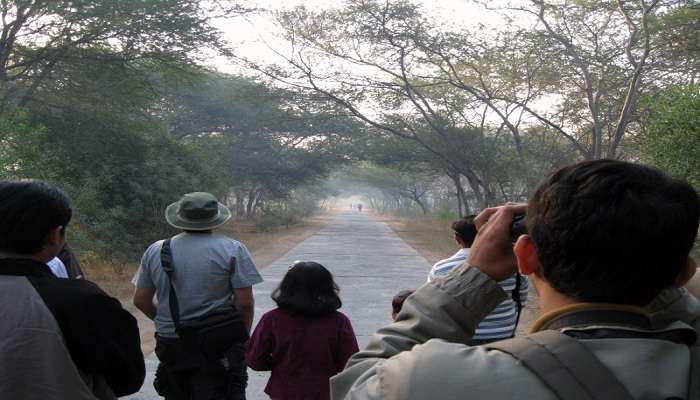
pixel 633 89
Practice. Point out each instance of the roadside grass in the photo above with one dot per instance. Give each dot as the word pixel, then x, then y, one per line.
pixel 115 279
pixel 430 235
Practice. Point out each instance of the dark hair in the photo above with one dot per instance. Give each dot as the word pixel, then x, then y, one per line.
pixel 465 229
pixel 28 212
pixel 307 289
pixel 611 231
pixel 397 301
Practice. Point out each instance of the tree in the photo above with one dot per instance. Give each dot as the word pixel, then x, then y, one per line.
pixel 39 36
pixel 575 72
pixel 392 90
pixel 399 188
pixel 671 135
pixel 602 52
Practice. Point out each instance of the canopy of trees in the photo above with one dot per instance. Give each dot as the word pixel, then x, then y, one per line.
pixel 495 107
pixel 105 99
pixel 112 101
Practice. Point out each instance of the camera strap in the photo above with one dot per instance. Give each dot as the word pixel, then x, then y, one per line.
pixel 166 261
pixel 515 295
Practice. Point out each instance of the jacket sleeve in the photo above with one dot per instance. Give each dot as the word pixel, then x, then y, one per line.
pixel 259 353
pixel 101 336
pixel 111 345
pixel 449 309
pixel 347 343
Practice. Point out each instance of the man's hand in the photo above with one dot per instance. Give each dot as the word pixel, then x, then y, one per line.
pixel 492 251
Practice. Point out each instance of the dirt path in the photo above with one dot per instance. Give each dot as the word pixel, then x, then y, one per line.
pixel 264 253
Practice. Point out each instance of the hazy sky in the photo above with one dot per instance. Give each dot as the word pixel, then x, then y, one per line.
pixel 249 34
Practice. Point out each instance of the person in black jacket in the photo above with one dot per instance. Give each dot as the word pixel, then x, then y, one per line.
pixel 60 338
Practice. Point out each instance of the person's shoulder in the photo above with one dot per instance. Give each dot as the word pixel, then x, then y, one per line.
pixel 274 313
pixel 82 290
pixel 277 317
pixel 154 248
pixel 226 241
pixel 477 369
pixel 80 296
pixel 340 316
pixel 459 256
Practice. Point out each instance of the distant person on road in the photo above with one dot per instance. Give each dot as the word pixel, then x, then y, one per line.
pixel 205 303
pixel 305 340
pixel 359 207
pixel 608 248
pixel 397 302
pixel 502 322
pixel 59 338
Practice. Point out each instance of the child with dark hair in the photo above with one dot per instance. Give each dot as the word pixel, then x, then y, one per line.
pixel 305 340
pixel 397 302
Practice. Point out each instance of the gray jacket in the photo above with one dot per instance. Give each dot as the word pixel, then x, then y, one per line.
pixel 63 338
pixel 403 361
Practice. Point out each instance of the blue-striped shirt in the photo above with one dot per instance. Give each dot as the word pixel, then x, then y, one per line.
pixel 500 323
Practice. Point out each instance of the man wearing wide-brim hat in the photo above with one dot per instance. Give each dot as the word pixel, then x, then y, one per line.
pixel 210 274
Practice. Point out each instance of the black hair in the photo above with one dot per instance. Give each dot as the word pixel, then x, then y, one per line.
pixel 611 231
pixel 397 301
pixel 465 229
pixel 308 290
pixel 29 210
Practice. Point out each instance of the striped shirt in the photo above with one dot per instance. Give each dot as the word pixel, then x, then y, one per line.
pixel 500 324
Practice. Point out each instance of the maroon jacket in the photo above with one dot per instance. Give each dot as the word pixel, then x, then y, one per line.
pixel 302 353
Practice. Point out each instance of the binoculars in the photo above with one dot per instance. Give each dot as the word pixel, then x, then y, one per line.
pixel 518 227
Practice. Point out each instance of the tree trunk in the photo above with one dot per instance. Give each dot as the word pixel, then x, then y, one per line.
pixel 249 204
pixel 462 206
pixel 422 206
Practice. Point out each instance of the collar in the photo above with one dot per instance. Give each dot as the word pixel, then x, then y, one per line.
pixel 600 320
pixel 462 252
pixel 24 267
pixel 585 313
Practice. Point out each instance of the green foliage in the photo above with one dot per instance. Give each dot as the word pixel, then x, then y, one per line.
pixel 106 131
pixel 671 138
pixel 21 146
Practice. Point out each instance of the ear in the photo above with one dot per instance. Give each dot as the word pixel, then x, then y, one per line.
pixel 56 236
pixel 458 240
pixel 526 255
pixel 687 273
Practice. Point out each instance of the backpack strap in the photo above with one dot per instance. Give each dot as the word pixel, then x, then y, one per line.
pixel 166 261
pixel 567 367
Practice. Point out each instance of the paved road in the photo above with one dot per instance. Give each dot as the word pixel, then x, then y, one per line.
pixel 370 264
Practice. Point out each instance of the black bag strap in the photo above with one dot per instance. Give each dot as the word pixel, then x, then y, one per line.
pixel 166 261
pixel 515 295
pixel 567 367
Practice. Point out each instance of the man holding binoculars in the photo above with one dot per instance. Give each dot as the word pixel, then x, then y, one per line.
pixel 607 248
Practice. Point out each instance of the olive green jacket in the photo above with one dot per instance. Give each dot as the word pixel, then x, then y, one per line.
pixel 403 361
